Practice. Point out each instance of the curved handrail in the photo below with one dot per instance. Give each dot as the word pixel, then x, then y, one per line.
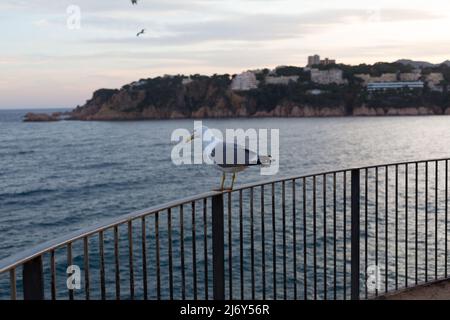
pixel 29 254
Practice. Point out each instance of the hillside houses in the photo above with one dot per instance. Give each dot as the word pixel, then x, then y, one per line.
pixel 380 76
pixel 434 81
pixel 325 77
pixel 244 81
pixel 282 80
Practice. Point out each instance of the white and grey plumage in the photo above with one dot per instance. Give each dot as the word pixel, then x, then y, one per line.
pixel 242 158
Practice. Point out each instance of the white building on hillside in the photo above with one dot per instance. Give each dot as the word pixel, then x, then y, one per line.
pixel 385 77
pixel 379 86
pixel 434 81
pixel 332 76
pixel 244 82
pixel 282 80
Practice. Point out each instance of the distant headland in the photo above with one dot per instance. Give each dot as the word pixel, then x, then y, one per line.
pixel 323 88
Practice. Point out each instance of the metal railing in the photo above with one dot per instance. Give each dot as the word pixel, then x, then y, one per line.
pixel 347 234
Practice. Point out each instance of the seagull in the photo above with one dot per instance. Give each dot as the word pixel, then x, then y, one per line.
pixel 218 155
pixel 140 32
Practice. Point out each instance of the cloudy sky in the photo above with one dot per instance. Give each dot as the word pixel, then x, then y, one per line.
pixel 44 63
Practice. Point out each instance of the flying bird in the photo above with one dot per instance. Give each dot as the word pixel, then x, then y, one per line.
pixel 217 151
pixel 140 32
pixel 134 2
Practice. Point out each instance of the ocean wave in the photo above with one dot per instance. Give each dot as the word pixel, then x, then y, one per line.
pixel 17 153
pixel 69 191
pixel 26 193
pixel 101 165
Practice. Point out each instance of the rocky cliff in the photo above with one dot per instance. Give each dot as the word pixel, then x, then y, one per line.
pixel 197 96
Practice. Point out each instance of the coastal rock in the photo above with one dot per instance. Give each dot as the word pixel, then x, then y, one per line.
pixel 364 111
pixel 397 111
pixel 42 117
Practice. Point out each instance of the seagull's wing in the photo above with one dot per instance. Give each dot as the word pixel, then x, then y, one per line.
pixel 241 156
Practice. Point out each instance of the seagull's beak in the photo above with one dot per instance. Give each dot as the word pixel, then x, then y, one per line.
pixel 192 137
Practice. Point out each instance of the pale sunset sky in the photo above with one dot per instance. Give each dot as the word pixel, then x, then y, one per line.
pixel 44 64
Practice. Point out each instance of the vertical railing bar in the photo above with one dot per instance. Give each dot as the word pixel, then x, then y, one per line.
pixel 69 263
pixel 158 264
pixel 230 249
pixel 194 250
pixel 376 223
pixel 305 252
pixel 366 226
pixel 13 285
pixel 355 231
pixel 274 245
pixel 117 262
pixel 396 227
pixel 283 196
pixel 446 219
pixel 241 244
pixel 345 234
pixel 334 237
pixel 436 186
pixel 33 278
pixel 252 243
pixel 86 267
pixel 53 274
pixel 416 223
pixel 294 238
pixel 218 247
pixel 324 199
pixel 386 234
pixel 263 245
pixel 252 236
pixel 144 257
pixel 169 230
pixel 130 256
pixel 406 224
pixel 102 265
pixel 183 270
pixel 426 221
pixel 205 245
pixel 315 236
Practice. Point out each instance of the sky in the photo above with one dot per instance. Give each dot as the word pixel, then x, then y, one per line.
pixel 51 59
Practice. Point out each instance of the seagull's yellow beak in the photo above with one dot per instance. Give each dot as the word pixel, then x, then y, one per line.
pixel 192 137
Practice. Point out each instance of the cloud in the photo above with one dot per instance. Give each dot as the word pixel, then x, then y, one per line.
pixel 204 36
pixel 250 27
pixel 41 23
pixel 104 6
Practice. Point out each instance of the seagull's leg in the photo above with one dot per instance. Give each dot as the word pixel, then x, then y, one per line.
pixel 232 181
pixel 223 181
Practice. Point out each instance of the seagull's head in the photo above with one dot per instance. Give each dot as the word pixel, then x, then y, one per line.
pixel 198 133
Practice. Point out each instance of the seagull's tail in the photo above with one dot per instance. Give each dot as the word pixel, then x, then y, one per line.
pixel 265 161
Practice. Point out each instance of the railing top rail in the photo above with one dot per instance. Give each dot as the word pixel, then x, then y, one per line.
pixel 290 178
pixel 27 255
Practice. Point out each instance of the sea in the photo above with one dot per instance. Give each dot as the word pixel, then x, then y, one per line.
pixel 58 177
